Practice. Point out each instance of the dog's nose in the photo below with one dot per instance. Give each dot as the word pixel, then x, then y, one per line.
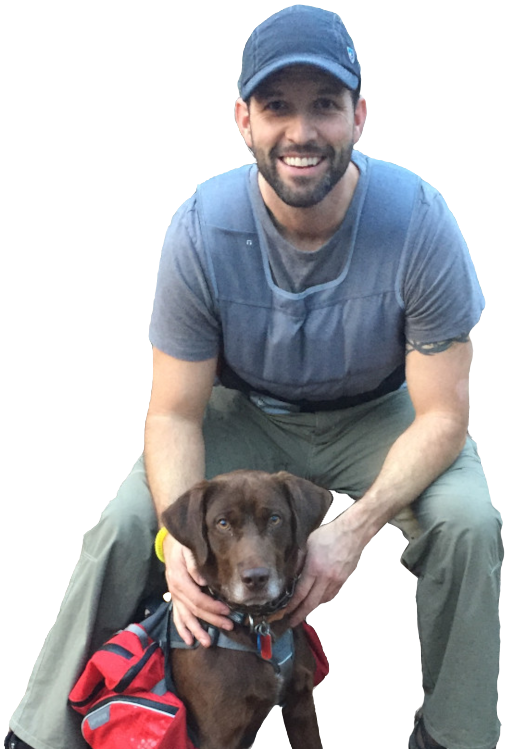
pixel 255 578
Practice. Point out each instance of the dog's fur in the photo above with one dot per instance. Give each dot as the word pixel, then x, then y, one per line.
pixel 248 533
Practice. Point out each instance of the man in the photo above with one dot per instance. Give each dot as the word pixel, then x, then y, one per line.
pixel 333 296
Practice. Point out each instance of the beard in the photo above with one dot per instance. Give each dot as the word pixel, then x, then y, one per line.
pixel 304 192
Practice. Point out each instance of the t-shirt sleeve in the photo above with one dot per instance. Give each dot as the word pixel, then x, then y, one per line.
pixel 184 321
pixel 438 285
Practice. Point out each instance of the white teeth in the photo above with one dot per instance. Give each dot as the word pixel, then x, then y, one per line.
pixel 296 161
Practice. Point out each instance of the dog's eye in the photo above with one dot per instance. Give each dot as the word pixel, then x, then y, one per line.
pixel 223 524
pixel 274 519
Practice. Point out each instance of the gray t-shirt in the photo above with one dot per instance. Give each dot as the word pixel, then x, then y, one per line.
pixel 434 285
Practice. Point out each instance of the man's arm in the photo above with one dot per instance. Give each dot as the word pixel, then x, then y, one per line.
pixel 174 447
pixel 437 378
pixel 174 461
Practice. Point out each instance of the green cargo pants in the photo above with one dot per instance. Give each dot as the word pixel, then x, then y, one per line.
pixel 454 550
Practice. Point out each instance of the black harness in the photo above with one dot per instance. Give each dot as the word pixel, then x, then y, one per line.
pixel 278 651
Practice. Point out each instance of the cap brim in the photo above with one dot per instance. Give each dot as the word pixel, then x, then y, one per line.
pixel 349 79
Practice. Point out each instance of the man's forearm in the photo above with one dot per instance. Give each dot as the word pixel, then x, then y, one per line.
pixel 424 451
pixel 174 457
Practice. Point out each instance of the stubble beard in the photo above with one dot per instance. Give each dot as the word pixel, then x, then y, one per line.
pixel 304 194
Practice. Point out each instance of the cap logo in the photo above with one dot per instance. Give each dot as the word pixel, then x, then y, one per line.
pixel 352 54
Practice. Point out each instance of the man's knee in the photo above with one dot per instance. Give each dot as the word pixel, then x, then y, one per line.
pixel 470 524
pixel 464 526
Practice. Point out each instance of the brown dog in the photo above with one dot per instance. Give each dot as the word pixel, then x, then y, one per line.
pixel 248 533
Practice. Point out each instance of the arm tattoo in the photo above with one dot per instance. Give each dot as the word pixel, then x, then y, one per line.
pixel 435 348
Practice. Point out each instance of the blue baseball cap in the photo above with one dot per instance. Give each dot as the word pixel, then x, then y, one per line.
pixel 299 35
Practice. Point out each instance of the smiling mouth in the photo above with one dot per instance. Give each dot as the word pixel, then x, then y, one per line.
pixel 302 162
pixel 299 168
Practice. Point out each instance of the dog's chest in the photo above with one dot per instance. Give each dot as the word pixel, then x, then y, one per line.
pixel 281 686
pixel 283 656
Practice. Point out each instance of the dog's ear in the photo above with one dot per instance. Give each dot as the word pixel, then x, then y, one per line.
pixel 185 519
pixel 309 503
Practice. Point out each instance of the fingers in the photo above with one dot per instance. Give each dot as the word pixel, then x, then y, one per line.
pixel 317 594
pixel 307 590
pixel 187 613
pixel 190 603
pixel 314 592
pixel 188 626
pixel 192 567
pixel 303 587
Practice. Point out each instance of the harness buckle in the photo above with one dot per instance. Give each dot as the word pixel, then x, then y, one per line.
pixel 263 629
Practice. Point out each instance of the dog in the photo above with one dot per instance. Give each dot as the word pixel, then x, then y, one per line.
pixel 248 532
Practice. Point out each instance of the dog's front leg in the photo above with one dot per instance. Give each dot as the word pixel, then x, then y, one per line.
pixel 301 722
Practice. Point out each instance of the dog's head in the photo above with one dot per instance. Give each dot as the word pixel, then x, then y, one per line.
pixel 246 530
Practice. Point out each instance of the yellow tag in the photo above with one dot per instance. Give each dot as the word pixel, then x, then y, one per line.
pixel 158 543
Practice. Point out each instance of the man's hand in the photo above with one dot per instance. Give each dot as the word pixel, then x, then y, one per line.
pixel 332 555
pixel 189 603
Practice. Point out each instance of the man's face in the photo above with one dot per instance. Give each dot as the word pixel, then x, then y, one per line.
pixel 301 126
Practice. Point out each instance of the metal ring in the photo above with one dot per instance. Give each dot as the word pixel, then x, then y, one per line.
pixel 263 628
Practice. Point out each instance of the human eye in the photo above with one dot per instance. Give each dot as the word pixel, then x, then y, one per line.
pixel 275 106
pixel 324 104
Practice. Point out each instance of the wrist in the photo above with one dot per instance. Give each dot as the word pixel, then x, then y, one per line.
pixel 362 520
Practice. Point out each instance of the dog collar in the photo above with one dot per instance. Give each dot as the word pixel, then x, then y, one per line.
pixel 259 618
pixel 246 614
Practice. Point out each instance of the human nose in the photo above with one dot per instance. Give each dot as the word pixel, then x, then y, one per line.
pixel 301 129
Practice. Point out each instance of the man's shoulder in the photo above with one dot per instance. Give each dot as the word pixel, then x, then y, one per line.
pixel 218 193
pixel 384 170
pixel 232 177
pixel 389 180
pixel 224 201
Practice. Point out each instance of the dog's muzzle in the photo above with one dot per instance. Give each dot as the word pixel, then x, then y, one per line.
pixel 264 609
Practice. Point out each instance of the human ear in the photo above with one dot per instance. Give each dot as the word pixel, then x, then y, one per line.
pixel 360 115
pixel 242 115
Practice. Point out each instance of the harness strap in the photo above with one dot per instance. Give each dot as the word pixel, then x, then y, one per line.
pixel 160 627
pixel 282 651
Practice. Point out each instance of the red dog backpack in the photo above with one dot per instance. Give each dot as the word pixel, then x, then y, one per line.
pixel 124 696
pixel 125 692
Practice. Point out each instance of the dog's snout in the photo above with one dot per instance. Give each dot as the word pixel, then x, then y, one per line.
pixel 255 578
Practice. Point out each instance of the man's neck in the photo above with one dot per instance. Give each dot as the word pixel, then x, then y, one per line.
pixel 310 228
